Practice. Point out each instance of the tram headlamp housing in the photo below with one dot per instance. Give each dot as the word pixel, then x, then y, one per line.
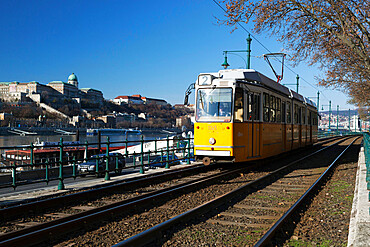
pixel 212 141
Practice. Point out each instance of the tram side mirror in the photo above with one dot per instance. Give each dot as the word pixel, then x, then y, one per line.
pixel 186 100
pixel 188 92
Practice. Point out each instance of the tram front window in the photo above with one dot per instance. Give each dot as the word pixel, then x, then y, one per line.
pixel 214 105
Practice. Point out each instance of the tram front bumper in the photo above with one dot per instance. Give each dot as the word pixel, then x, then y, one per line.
pixel 212 153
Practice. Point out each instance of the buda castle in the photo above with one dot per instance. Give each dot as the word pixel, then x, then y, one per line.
pixel 55 91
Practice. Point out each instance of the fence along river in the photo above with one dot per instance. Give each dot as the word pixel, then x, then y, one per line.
pixel 137 143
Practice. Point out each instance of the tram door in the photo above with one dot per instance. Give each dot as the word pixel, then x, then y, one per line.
pixel 254 129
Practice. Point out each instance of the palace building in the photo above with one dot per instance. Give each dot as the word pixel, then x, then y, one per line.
pixel 19 91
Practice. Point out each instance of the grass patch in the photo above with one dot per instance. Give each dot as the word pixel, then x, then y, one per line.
pixel 326 243
pixel 299 243
pixel 339 186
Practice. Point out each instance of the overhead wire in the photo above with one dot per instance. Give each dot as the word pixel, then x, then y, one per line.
pixel 259 42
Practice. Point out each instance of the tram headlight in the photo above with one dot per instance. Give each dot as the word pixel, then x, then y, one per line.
pixel 212 141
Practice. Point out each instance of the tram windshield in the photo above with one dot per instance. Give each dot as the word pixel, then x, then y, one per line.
pixel 214 105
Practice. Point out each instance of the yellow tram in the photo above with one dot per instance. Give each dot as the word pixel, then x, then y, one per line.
pixel 242 115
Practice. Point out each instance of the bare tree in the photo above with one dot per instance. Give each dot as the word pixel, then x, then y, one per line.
pixel 334 34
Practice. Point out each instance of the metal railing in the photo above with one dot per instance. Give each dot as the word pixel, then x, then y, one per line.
pixel 34 164
pixel 325 134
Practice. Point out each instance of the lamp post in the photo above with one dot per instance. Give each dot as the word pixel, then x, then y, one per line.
pixel 248 51
pixel 329 111
pixel 249 41
pixel 337 117
pixel 349 120
pixel 318 99
pixel 297 86
pixel 297 82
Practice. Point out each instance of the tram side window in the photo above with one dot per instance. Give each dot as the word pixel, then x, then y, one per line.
pixel 303 115
pixel 283 107
pixel 266 106
pixel 272 109
pixel 288 112
pixel 315 119
pixel 310 117
pixel 250 107
pixel 239 105
pixel 253 106
pixel 256 103
pixel 278 110
pixel 300 115
pixel 295 113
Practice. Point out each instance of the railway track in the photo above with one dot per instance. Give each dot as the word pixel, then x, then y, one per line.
pixel 66 197
pixel 265 208
pixel 34 232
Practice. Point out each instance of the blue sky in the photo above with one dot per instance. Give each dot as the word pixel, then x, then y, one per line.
pixel 152 48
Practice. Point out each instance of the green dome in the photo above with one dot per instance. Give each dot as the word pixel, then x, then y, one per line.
pixel 72 77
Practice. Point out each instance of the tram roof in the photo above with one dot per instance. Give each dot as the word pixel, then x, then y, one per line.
pixel 255 76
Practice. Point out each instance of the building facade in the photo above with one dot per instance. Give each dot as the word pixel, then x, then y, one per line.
pixel 137 99
pixel 91 95
pixel 68 90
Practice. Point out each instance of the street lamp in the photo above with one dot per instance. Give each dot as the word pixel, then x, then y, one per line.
pixel 225 64
pixel 248 51
pixel 297 84
pixel 337 117
pixel 329 111
pixel 318 99
pixel 349 120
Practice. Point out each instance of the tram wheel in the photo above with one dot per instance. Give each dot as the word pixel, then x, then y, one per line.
pixel 206 161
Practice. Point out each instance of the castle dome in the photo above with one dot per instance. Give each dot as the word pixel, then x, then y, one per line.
pixel 72 77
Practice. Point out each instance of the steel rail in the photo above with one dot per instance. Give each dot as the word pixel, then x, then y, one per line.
pixel 153 233
pixel 265 240
pixel 38 233
pixel 44 203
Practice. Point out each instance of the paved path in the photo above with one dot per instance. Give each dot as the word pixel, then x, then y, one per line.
pixel 359 227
